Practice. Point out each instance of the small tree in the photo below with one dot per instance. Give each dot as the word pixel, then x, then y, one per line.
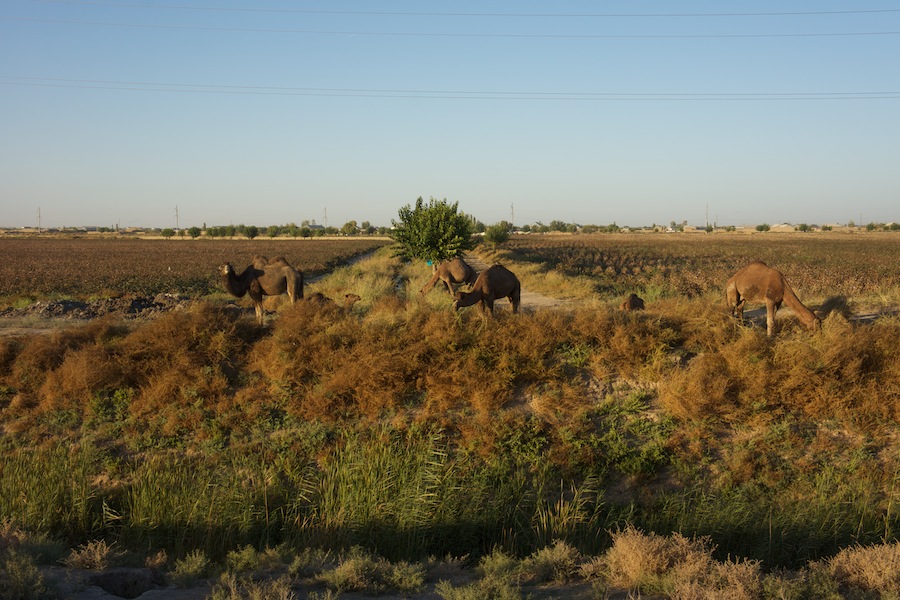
pixel 763 227
pixel 167 232
pixel 497 234
pixel 194 232
pixel 251 231
pixel 435 232
pixel 350 228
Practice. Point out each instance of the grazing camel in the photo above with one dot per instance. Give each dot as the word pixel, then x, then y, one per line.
pixel 632 302
pixel 758 282
pixel 322 300
pixel 492 284
pixel 263 278
pixel 452 272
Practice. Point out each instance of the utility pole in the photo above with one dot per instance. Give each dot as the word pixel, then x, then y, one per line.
pixel 512 216
pixel 176 219
pixel 39 219
pixel 325 217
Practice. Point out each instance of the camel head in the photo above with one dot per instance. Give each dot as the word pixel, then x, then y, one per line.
pixel 463 299
pixel 351 299
pixel 226 270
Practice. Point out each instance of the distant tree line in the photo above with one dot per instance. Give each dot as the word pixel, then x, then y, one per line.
pixel 306 230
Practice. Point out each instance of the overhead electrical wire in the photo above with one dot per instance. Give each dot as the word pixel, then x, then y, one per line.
pixel 450 34
pixel 150 86
pixel 472 14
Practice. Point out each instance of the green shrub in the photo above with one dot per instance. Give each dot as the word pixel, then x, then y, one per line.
pixel 20 578
pixel 192 567
pixel 230 587
pixel 557 563
pixel 363 572
pixel 97 555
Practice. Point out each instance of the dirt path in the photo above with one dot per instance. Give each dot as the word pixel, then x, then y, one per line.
pixel 530 300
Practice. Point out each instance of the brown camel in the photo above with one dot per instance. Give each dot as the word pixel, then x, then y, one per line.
pixel 492 284
pixel 758 282
pixel 632 302
pixel 452 272
pixel 263 278
pixel 322 300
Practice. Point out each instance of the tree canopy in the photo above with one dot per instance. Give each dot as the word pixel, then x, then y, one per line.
pixel 435 232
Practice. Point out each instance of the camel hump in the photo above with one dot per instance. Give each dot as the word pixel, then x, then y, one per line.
pixel 497 277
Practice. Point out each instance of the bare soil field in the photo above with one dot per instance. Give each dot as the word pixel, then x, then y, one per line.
pixel 81 268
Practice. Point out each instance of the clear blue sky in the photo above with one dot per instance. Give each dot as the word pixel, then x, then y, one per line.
pixel 276 111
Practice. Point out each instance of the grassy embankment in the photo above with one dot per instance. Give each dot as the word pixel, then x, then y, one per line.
pixel 414 431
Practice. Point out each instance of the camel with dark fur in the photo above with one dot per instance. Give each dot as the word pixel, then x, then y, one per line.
pixel 263 278
pixel 632 302
pixel 758 282
pixel 492 284
pixel 452 272
pixel 323 300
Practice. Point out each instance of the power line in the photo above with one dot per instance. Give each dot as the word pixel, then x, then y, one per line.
pixel 451 34
pixel 473 14
pixel 155 86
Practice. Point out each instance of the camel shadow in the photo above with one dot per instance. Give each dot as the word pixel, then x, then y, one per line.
pixel 835 304
pixel 755 317
pixel 840 305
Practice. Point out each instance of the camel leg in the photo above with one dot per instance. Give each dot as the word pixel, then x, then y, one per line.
pixel 515 299
pixel 771 307
pixel 738 311
pixel 449 287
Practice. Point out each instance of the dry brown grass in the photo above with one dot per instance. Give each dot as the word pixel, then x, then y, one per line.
pixel 677 567
pixel 869 568
pixel 846 372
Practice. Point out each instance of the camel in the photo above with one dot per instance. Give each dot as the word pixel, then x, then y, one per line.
pixel 632 302
pixel 260 261
pixel 758 282
pixel 323 300
pixel 493 283
pixel 452 272
pixel 263 278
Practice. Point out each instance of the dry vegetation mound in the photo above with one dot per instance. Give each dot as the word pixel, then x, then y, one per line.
pixel 413 430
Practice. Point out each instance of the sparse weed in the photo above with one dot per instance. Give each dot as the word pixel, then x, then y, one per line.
pixel 309 562
pixel 557 563
pixel 20 578
pixel 189 569
pixel 230 587
pixel 483 589
pixel 97 555
pixel 869 569
pixel 363 572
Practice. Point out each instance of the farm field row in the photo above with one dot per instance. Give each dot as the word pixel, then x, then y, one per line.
pixel 86 267
pixel 820 265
